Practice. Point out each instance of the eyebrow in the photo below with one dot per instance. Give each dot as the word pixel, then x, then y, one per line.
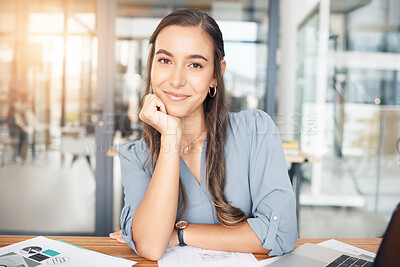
pixel 165 52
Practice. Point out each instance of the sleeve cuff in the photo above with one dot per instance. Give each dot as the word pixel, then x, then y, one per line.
pixel 266 230
pixel 126 227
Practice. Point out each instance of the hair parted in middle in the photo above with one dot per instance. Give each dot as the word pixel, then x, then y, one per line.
pixel 216 116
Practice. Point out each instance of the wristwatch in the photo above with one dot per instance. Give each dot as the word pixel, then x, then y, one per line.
pixel 179 227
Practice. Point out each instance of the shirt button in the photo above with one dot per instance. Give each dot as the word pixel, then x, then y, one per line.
pixel 275 218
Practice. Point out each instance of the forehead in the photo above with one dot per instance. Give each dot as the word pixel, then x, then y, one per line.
pixel 185 40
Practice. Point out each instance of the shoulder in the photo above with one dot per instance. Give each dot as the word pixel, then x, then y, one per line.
pixel 133 151
pixel 251 121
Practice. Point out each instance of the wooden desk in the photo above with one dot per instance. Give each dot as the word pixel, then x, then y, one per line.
pixel 111 247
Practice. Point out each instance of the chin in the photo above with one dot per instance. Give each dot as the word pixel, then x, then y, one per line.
pixel 177 112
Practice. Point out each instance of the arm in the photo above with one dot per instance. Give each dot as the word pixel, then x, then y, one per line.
pixel 154 219
pixel 272 226
pixel 218 237
pixel 155 216
pixel 273 202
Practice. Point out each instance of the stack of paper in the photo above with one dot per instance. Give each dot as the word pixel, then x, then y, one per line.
pixel 41 251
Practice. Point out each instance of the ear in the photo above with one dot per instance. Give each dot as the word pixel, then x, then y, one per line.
pixel 223 67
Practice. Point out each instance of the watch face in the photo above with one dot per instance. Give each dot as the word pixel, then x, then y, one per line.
pixel 181 224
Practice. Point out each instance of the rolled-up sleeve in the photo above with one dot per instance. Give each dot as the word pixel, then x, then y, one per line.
pixel 273 201
pixel 135 181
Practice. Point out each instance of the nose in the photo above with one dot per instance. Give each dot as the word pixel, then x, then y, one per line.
pixel 178 76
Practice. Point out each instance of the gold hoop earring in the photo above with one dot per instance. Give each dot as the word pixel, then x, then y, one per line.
pixel 214 93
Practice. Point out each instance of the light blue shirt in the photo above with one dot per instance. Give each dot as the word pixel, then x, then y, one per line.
pixel 257 182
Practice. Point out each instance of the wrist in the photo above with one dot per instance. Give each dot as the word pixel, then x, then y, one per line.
pixel 174 240
pixel 171 142
pixel 171 128
pixel 180 227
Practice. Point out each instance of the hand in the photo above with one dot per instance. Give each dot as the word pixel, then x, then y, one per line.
pixel 117 236
pixel 155 114
pixel 173 241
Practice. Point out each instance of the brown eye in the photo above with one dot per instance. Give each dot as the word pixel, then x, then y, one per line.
pixel 196 65
pixel 164 61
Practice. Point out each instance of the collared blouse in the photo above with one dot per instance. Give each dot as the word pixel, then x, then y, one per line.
pixel 257 182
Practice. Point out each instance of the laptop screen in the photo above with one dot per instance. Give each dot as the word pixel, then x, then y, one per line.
pixel 389 251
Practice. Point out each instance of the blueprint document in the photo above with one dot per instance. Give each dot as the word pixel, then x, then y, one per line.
pixel 41 251
pixel 197 257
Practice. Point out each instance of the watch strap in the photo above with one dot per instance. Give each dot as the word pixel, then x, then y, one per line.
pixel 180 237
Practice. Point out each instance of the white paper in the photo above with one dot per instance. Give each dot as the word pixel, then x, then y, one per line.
pixel 41 251
pixel 334 244
pixel 197 257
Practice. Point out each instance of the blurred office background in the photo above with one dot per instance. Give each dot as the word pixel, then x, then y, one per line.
pixel 71 79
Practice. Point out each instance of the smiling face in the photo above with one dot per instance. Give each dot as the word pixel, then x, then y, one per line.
pixel 183 69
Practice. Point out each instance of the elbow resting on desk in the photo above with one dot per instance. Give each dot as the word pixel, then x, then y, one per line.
pixel 150 251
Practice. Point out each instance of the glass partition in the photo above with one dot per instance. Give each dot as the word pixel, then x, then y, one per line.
pixel 361 111
pixel 48 54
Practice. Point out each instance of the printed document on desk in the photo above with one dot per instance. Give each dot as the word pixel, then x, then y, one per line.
pixel 41 251
pixel 197 257
pixel 335 244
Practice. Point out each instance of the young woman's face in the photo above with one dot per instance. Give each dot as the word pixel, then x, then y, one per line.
pixel 183 69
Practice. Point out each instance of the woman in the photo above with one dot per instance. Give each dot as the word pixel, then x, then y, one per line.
pixel 202 176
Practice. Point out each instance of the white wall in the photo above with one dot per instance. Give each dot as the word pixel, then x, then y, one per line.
pixel 292 13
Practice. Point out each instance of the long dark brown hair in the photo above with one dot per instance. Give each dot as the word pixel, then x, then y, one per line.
pixel 216 116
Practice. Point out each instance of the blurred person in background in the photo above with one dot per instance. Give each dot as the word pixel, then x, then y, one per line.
pixel 18 127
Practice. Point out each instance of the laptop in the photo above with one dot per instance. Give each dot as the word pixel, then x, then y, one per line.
pixel 310 255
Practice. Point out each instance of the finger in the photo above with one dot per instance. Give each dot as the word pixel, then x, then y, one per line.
pixel 153 110
pixel 152 105
pixel 144 111
pixel 113 235
pixel 156 104
pixel 146 101
pixel 121 240
pixel 161 105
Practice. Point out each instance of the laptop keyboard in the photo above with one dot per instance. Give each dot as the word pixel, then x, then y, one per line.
pixel 347 261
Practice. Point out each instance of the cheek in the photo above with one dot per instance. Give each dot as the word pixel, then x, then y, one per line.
pixel 158 74
pixel 201 90
pixel 202 85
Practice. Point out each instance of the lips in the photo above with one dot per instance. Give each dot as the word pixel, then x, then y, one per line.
pixel 175 96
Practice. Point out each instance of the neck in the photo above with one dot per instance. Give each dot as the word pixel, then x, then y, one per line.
pixel 192 127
